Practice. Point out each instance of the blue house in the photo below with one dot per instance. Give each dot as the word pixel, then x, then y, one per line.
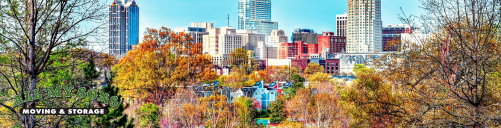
pixel 264 95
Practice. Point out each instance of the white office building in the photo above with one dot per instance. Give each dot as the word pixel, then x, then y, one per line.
pixel 219 42
pixel 364 33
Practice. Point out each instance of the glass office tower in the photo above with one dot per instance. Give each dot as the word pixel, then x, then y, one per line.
pixel 253 10
pixel 124 27
pixel 256 15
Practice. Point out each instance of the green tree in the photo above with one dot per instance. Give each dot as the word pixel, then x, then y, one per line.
pixel 149 115
pixel 277 111
pixel 245 111
pixel 90 71
pixel 34 31
pixel 358 67
pixel 371 102
pixel 116 116
pixel 297 83
pixel 243 59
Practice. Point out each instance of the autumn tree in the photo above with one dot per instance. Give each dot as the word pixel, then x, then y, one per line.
pixel 313 68
pixel 326 111
pixel 259 76
pixel 319 79
pixel 237 79
pixel 298 107
pixel 450 73
pixel 281 73
pixel 358 67
pixel 370 101
pixel 161 63
pixel 183 110
pixel 217 112
pixel 243 59
pixel 244 110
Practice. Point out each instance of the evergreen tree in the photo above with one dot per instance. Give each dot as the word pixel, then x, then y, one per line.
pixel 90 71
pixel 115 116
pixel 277 111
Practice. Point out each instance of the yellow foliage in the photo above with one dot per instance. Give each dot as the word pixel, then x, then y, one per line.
pixel 163 60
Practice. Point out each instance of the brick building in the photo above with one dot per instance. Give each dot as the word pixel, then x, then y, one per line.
pixel 393 32
pixel 297 48
pixel 334 44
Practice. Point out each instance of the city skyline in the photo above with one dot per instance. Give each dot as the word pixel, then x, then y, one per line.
pixel 319 15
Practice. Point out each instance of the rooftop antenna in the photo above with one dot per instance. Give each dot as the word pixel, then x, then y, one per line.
pixel 228 19
pixel 344 10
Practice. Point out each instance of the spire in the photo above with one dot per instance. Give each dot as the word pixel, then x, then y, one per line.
pixel 114 3
pixel 134 2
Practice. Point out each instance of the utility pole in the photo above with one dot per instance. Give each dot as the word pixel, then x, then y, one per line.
pixel 267 58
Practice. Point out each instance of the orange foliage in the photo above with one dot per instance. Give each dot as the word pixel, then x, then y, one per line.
pixel 163 60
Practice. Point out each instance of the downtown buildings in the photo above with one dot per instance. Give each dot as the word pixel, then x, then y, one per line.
pixel 364 30
pixel 256 15
pixel 196 31
pixel 123 27
pixel 359 30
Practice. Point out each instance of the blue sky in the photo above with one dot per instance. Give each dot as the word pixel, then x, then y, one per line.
pixel 290 14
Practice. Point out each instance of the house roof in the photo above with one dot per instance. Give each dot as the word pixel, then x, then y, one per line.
pixel 248 92
pixel 258 84
pixel 272 85
pixel 214 83
pixel 287 85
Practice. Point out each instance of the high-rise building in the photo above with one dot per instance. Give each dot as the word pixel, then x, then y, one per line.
pixel 272 48
pixel 124 27
pixel 228 40
pixel 277 37
pixel 220 42
pixel 253 10
pixel 256 15
pixel 364 26
pixel 210 41
pixel 251 41
pixel 393 32
pixel 341 23
pixel 308 36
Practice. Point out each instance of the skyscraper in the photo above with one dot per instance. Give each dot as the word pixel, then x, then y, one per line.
pixel 364 26
pixel 124 27
pixel 253 10
pixel 256 15
pixel 341 24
